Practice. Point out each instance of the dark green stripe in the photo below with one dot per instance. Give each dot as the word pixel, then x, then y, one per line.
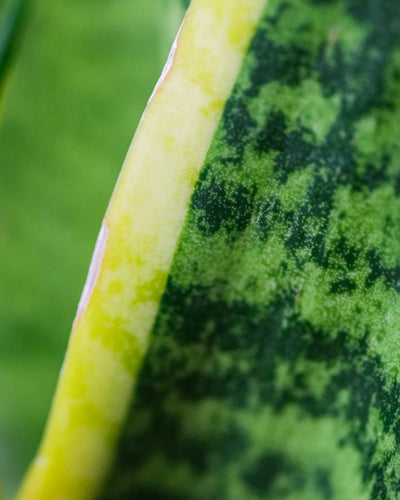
pixel 273 369
pixel 10 19
pixel 185 3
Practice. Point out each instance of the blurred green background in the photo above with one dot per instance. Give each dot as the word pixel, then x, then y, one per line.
pixel 83 73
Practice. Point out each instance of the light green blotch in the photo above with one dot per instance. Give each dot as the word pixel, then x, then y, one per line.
pixel 318 376
pixel 303 105
pixel 391 77
pixel 312 23
pixel 258 171
pixel 375 432
pixel 371 221
pixel 332 312
pixel 259 278
pixel 385 445
pixel 255 170
pixel 307 442
pixel 387 343
pixel 368 137
pixel 376 134
pixel 291 194
pixel 375 310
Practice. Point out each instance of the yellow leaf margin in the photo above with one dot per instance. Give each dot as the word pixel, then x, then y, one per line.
pixel 135 248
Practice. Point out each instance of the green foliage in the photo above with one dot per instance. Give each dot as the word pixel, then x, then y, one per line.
pixel 273 368
pixel 10 21
pixel 84 72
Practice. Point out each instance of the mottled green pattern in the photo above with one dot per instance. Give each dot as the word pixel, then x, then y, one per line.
pixel 273 371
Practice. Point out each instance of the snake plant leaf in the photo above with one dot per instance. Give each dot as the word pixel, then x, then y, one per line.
pixel 171 18
pixel 11 14
pixel 242 313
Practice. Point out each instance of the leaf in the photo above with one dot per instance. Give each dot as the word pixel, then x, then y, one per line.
pixel 171 16
pixel 11 15
pixel 136 245
pixel 249 266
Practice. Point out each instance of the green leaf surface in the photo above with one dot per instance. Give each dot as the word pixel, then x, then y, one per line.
pixel 11 14
pixel 273 369
pixel 82 76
